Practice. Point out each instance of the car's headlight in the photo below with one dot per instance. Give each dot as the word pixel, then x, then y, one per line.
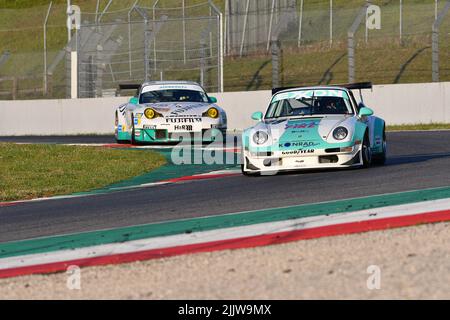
pixel 149 113
pixel 212 113
pixel 340 133
pixel 260 137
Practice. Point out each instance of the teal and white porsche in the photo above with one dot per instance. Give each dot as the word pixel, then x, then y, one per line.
pixel 169 111
pixel 313 128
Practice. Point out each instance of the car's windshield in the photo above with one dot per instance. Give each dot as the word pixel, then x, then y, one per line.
pixel 173 95
pixel 309 103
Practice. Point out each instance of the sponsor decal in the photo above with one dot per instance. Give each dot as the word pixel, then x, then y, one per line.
pixel 183 127
pixel 297 152
pixel 302 125
pixel 299 131
pixel 149 127
pixel 171 87
pixel 378 140
pixel 310 93
pixel 183 120
pixel 181 110
pixel 119 128
pixel 122 109
pixel 302 144
pixel 137 121
pixel 184 116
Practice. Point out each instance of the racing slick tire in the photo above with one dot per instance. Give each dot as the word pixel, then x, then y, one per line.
pixel 366 152
pixel 380 159
pixel 117 140
pixel 133 140
pixel 122 141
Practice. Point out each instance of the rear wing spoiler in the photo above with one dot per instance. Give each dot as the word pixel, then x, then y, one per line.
pixel 129 86
pixel 349 86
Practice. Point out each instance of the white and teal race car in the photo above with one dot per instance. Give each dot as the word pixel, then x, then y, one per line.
pixel 313 128
pixel 169 111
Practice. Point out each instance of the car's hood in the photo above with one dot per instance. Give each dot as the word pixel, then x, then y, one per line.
pixel 178 109
pixel 305 132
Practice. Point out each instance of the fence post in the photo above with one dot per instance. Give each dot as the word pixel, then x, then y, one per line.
pixel 184 30
pixel 435 42
pixel 99 72
pixel 269 35
pixel 401 22
pixel 147 31
pixel 299 40
pixel 220 45
pixel 351 58
pixel 50 84
pixel 436 5
pixel 244 29
pixel 154 35
pixel 15 88
pixel 146 51
pixel 45 49
pixel 276 63
pixel 203 78
pixel 331 23
pixel 351 42
pixel 129 36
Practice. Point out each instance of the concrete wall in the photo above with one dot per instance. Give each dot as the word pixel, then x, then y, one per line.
pixel 58 117
pixel 397 104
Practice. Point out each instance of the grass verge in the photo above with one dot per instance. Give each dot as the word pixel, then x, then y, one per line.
pixel 412 127
pixel 32 171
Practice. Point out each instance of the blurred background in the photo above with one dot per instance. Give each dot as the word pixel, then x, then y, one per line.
pixel 230 45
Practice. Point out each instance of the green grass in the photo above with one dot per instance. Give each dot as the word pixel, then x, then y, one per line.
pixel 412 127
pixel 32 171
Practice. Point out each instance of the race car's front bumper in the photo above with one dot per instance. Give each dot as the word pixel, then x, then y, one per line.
pixel 319 159
pixel 163 135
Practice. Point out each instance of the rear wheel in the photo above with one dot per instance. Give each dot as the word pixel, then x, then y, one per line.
pixel 366 152
pixel 380 159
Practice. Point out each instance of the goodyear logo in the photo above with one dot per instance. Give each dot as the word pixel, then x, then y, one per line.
pixel 297 152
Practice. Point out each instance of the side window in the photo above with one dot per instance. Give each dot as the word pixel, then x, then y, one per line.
pixel 352 97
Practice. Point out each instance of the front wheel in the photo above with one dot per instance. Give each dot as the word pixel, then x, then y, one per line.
pixel 122 141
pixel 133 140
pixel 366 153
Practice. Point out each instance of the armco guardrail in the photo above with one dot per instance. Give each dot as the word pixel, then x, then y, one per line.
pixel 398 104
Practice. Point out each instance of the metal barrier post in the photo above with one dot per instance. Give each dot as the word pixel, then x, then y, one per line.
pixel 435 42
pixel 351 42
pixel 45 49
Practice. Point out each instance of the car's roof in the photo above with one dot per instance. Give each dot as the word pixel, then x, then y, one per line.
pixel 150 83
pixel 312 88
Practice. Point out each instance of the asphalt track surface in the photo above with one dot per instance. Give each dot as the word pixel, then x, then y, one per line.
pixel 416 160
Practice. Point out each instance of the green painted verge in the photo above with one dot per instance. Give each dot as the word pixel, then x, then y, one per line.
pixel 74 241
pixel 167 172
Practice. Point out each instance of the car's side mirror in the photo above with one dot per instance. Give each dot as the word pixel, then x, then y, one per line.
pixel 257 116
pixel 365 112
pixel 212 99
pixel 134 100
